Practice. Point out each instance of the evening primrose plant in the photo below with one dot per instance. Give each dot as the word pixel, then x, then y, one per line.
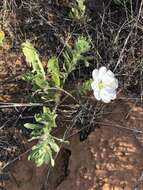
pixel 48 82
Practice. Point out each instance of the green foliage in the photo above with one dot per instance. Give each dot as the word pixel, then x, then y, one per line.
pixel 78 11
pixel 42 151
pixel 73 55
pixel 45 122
pixel 2 37
pixel 38 76
pixel 32 58
pixel 46 82
pixel 39 82
pixel 82 45
pixel 57 75
pixel 85 87
pixel 54 70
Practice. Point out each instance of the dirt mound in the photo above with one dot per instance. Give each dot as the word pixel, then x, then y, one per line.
pixel 25 176
pixel 111 158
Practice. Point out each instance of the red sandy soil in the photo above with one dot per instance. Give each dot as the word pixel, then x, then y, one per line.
pixel 12 68
pixel 110 159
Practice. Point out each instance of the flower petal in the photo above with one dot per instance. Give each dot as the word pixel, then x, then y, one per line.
pixel 97 94
pixel 102 72
pixel 116 84
pixel 107 95
pixel 95 73
pixel 96 90
pixel 110 73
pixel 110 92
pixel 94 85
pixel 110 81
pixel 106 100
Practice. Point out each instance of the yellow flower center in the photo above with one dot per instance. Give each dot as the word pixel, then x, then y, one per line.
pixel 101 85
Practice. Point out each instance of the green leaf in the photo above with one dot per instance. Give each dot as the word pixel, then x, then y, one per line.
pixel 82 45
pixel 51 158
pixel 40 81
pixel 67 61
pixel 2 37
pixel 78 11
pixel 31 126
pixel 32 58
pixel 85 87
pixel 53 145
pixel 54 70
pixel 37 154
pixel 81 5
pixel 46 118
pixel 28 76
pixel 41 153
pixel 53 65
pixel 73 55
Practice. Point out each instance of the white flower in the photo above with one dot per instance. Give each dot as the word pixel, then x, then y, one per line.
pixel 104 84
